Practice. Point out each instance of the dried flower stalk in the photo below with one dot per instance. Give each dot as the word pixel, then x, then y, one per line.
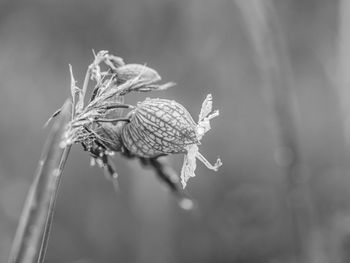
pixel 155 127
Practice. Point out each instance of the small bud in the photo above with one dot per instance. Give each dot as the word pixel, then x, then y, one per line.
pixel 142 78
pixel 131 71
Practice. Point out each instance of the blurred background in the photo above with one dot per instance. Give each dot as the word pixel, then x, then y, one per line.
pixel 278 72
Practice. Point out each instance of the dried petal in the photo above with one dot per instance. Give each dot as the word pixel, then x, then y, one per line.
pixel 203 126
pixel 214 167
pixel 207 106
pixel 204 120
pixel 189 165
pixel 74 91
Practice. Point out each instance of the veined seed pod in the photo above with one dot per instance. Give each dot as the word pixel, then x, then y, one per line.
pixel 158 127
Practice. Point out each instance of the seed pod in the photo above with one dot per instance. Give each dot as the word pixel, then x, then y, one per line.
pixel 131 71
pixel 158 127
pixel 139 78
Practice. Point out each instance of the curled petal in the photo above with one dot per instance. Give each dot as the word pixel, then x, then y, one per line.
pixel 214 167
pixel 189 165
pixel 205 116
pixel 204 125
pixel 207 106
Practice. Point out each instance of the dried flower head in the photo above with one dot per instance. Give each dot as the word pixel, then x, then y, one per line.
pixel 153 128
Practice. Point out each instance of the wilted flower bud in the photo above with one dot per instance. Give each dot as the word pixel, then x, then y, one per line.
pixel 131 71
pixel 159 127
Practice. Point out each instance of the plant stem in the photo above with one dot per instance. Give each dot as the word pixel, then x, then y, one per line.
pixel 33 224
pixel 48 225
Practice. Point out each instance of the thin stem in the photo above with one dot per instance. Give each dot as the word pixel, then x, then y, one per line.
pixel 28 239
pixel 63 160
pixel 73 89
pixel 116 106
pixel 112 120
pixel 48 224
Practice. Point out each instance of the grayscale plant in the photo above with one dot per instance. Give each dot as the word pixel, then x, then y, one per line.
pixel 152 128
